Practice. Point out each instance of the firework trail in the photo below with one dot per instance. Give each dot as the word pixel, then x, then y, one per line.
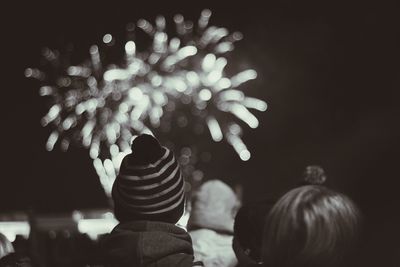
pixel 175 81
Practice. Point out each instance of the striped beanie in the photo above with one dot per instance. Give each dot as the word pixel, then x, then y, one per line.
pixel 149 185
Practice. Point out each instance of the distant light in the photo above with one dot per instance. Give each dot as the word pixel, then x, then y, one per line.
pixel 223 83
pixel 77 215
pixel 155 115
pixel 231 95
pixel 91 105
pixel 28 72
pixel 91 81
pixel 67 123
pixel 145 26
pixel 111 133
pixel 198 175
pixel 14 228
pixel 220 63
pixel 178 18
pixel 87 128
pixel 160 22
pixel 123 107
pixel 154 57
pixel 79 109
pixel 108 215
pixel 245 155
pixel 214 76
pixel 237 36
pixel 109 167
pixel 255 103
pixel 130 48
pixel 156 81
pixel 224 47
pixel 116 74
pixel 94 49
pixel 205 94
pixel 174 44
pixel 54 111
pixel 206 13
pixel 182 121
pixel 235 129
pixel 94 153
pixel 34 73
pixel 159 98
pixel 187 51
pixel 107 38
pixel 185 99
pixel 45 90
pixel 243 77
pixel 51 141
pixel 125 149
pixel 160 37
pixel 208 62
pixel 204 18
pixel 142 23
pixel 114 150
pixel 219 33
pixel 135 93
pixel 130 26
pixel 215 129
pixel 186 151
pixel 244 114
pixel 95 227
pixel 179 85
pixel 73 70
pixel 193 78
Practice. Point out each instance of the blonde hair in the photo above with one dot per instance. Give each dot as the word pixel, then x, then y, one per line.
pixel 310 226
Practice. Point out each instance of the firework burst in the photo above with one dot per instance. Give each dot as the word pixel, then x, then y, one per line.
pixel 175 81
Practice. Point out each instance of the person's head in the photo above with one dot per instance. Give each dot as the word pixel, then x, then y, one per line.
pixel 248 229
pixel 310 226
pixel 214 206
pixel 6 246
pixel 149 185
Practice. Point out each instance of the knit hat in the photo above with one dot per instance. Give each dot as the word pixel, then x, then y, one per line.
pixel 149 185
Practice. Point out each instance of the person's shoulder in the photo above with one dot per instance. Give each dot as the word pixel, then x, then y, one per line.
pixel 15 259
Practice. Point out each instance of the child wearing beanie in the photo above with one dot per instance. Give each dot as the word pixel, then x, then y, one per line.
pixel 149 200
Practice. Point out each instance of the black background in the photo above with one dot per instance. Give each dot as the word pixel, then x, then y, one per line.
pixel 329 73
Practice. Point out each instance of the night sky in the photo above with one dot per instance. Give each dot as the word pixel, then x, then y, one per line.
pixel 330 75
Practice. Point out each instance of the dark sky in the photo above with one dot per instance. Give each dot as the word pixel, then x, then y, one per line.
pixel 329 74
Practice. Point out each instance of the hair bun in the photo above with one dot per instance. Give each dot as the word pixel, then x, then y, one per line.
pixel 314 175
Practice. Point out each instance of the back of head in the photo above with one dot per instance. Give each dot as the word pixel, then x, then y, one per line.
pixel 149 185
pixel 248 229
pixel 214 206
pixel 310 226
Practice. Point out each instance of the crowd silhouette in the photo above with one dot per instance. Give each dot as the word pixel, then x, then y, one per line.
pixel 310 225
